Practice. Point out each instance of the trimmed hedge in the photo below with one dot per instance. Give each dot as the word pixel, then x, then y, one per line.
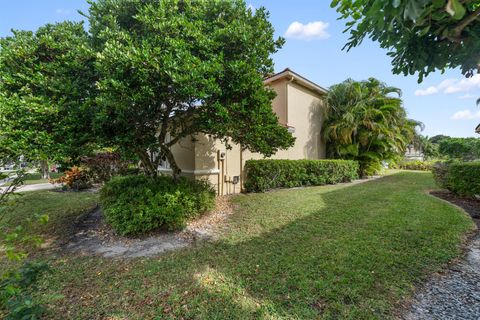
pixel 139 204
pixel 262 175
pixel 462 178
pixel 415 165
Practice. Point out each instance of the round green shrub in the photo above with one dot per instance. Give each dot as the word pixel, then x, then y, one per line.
pixel 139 204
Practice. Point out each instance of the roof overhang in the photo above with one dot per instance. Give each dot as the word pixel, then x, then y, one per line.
pixel 477 129
pixel 293 76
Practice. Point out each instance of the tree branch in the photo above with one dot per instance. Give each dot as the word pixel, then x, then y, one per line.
pixel 465 22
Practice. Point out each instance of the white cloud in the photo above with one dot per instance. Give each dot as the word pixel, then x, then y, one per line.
pixel 63 11
pixel 452 86
pixel 310 31
pixel 466 115
pixel 426 92
pixel 467 96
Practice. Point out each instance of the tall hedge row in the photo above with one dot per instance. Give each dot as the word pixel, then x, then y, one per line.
pixel 462 178
pixel 262 175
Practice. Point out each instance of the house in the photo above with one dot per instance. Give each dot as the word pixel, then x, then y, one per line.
pixel 298 105
pixel 477 129
pixel 413 153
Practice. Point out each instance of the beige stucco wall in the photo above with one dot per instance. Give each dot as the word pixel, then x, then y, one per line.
pixel 279 103
pixel 184 154
pixel 295 106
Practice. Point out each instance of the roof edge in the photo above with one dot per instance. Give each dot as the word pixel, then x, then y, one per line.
pixel 287 73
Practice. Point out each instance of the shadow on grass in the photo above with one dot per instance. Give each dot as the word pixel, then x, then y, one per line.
pixel 329 252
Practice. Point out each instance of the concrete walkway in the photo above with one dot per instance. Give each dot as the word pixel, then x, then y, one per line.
pixel 35 187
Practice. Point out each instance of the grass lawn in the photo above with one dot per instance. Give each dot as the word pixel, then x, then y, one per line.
pixel 36 178
pixel 331 252
pixel 61 207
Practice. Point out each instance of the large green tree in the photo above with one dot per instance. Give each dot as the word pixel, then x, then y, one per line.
pixel 460 148
pixel 421 35
pixel 366 123
pixel 172 69
pixel 47 86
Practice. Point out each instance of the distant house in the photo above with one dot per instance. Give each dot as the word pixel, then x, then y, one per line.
pixel 413 153
pixel 299 107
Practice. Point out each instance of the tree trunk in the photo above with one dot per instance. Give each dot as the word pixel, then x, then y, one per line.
pixel 171 160
pixel 44 170
pixel 148 166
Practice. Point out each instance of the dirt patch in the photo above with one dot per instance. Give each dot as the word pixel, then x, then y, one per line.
pixel 455 293
pixel 90 235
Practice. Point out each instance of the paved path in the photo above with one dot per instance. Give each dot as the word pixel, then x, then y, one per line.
pixel 35 187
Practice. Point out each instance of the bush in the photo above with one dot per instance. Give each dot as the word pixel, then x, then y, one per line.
pixel 263 175
pixel 76 179
pixel 3 176
pixel 415 165
pixel 139 204
pixel 460 148
pixel 104 165
pixel 440 170
pixel 462 178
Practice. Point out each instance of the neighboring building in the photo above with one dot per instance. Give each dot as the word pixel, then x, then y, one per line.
pixel 298 105
pixel 477 129
pixel 413 153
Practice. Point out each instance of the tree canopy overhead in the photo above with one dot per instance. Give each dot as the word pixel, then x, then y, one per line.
pixel 47 86
pixel 172 69
pixel 421 35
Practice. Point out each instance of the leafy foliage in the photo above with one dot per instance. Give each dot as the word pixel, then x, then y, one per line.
pixel 19 278
pixel 47 85
pixel 462 178
pixel 104 165
pixel 14 292
pixel 460 148
pixel 428 148
pixel 75 179
pixel 416 165
pixel 262 175
pixel 421 35
pixel 365 123
pixel 436 139
pixel 139 204
pixel 172 69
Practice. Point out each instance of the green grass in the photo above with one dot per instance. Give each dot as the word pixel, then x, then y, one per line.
pixel 36 178
pixel 351 252
pixel 61 207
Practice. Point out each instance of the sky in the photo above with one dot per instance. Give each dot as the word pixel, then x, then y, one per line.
pixel 445 103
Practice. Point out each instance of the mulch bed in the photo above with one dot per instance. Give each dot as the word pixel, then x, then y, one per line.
pixel 470 205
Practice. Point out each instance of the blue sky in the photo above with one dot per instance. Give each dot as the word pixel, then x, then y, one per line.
pixel 444 102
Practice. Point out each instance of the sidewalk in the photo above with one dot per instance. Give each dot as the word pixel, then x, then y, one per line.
pixel 35 187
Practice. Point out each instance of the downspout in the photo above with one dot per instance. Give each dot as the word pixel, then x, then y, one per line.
pixel 218 175
pixel 241 168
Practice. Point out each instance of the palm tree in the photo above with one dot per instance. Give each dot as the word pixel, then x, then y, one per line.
pixel 366 122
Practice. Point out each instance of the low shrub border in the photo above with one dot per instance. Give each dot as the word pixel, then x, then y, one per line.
pixel 462 178
pixel 139 204
pixel 415 165
pixel 262 175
